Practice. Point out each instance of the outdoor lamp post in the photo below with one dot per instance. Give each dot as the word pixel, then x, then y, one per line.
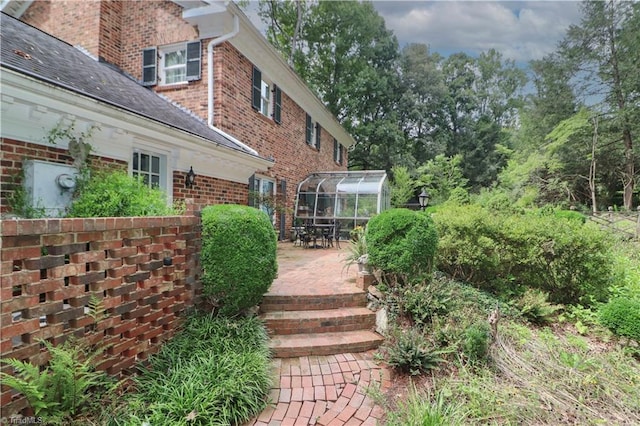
pixel 424 199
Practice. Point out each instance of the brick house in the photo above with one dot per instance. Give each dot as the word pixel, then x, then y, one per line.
pixel 180 84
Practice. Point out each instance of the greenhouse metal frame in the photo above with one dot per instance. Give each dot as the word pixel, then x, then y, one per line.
pixel 351 198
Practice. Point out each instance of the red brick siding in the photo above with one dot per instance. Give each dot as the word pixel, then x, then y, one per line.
pixel 49 263
pixel 285 142
pixel 208 191
pixel 75 22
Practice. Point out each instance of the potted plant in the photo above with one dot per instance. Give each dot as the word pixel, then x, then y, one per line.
pixel 358 250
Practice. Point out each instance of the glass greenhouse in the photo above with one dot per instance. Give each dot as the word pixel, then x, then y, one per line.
pixel 349 197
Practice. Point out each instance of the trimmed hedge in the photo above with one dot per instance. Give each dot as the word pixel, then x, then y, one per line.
pixel 506 253
pixel 402 242
pixel 238 256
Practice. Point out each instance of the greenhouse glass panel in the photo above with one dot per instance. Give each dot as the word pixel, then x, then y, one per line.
pixel 350 197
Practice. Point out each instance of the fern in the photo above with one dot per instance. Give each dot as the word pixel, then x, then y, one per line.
pixel 60 389
pixel 95 309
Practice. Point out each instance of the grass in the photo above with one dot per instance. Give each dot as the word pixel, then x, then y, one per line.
pixel 216 371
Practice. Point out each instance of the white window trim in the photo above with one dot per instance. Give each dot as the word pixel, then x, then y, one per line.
pixel 162 51
pixel 314 129
pixel 338 152
pixel 164 182
pixel 258 182
pixel 266 97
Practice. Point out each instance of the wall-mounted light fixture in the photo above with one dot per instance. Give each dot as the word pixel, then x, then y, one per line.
pixel 190 178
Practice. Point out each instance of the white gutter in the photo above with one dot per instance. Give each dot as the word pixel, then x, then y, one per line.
pixel 214 42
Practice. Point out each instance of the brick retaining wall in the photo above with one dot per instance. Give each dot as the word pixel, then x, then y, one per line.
pixel 51 267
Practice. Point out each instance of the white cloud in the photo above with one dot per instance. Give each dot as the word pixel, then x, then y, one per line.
pixel 520 30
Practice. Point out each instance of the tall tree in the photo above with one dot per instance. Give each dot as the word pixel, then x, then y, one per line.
pixel 605 50
pixel 285 19
pixel 422 103
pixel 499 87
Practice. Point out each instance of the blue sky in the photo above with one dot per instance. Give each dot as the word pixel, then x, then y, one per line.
pixel 520 30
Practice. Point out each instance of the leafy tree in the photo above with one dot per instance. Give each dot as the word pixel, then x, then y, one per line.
pixel 603 50
pixel 441 175
pixel 402 186
pixel 498 88
pixel 422 102
pixel 286 19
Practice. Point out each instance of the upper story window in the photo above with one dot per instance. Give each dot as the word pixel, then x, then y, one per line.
pixel 313 131
pixel 337 151
pixel 172 64
pixel 151 167
pixel 264 98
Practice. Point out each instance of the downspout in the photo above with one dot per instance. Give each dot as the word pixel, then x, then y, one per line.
pixel 216 41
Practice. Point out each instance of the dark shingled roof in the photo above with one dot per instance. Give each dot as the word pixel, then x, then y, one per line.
pixel 29 51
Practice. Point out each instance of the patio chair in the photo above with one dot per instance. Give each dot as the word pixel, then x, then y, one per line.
pixel 336 233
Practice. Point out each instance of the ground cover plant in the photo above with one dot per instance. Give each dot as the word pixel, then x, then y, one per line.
pixel 215 371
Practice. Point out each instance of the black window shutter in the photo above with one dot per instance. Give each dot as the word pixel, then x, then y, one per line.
pixel 309 130
pixel 149 66
pixel 283 217
pixel 277 104
pixel 194 61
pixel 335 150
pixel 318 131
pixel 252 185
pixel 256 97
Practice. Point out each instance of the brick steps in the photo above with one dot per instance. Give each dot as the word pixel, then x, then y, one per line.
pixel 313 302
pixel 296 345
pixel 319 321
pixel 333 320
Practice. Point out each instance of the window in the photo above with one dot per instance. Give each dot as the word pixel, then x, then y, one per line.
pixel 337 151
pixel 265 190
pixel 152 168
pixel 173 64
pixel 312 137
pixel 264 99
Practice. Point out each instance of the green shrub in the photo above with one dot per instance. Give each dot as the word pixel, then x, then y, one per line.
pixel 475 342
pixel 215 371
pixel 622 317
pixel 64 387
pixel 459 196
pixel 409 352
pixel 402 242
pixel 116 194
pixel 238 256
pixel 570 215
pixel 534 307
pixel 503 253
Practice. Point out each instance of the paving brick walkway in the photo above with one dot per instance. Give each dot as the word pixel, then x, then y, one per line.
pixel 331 390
